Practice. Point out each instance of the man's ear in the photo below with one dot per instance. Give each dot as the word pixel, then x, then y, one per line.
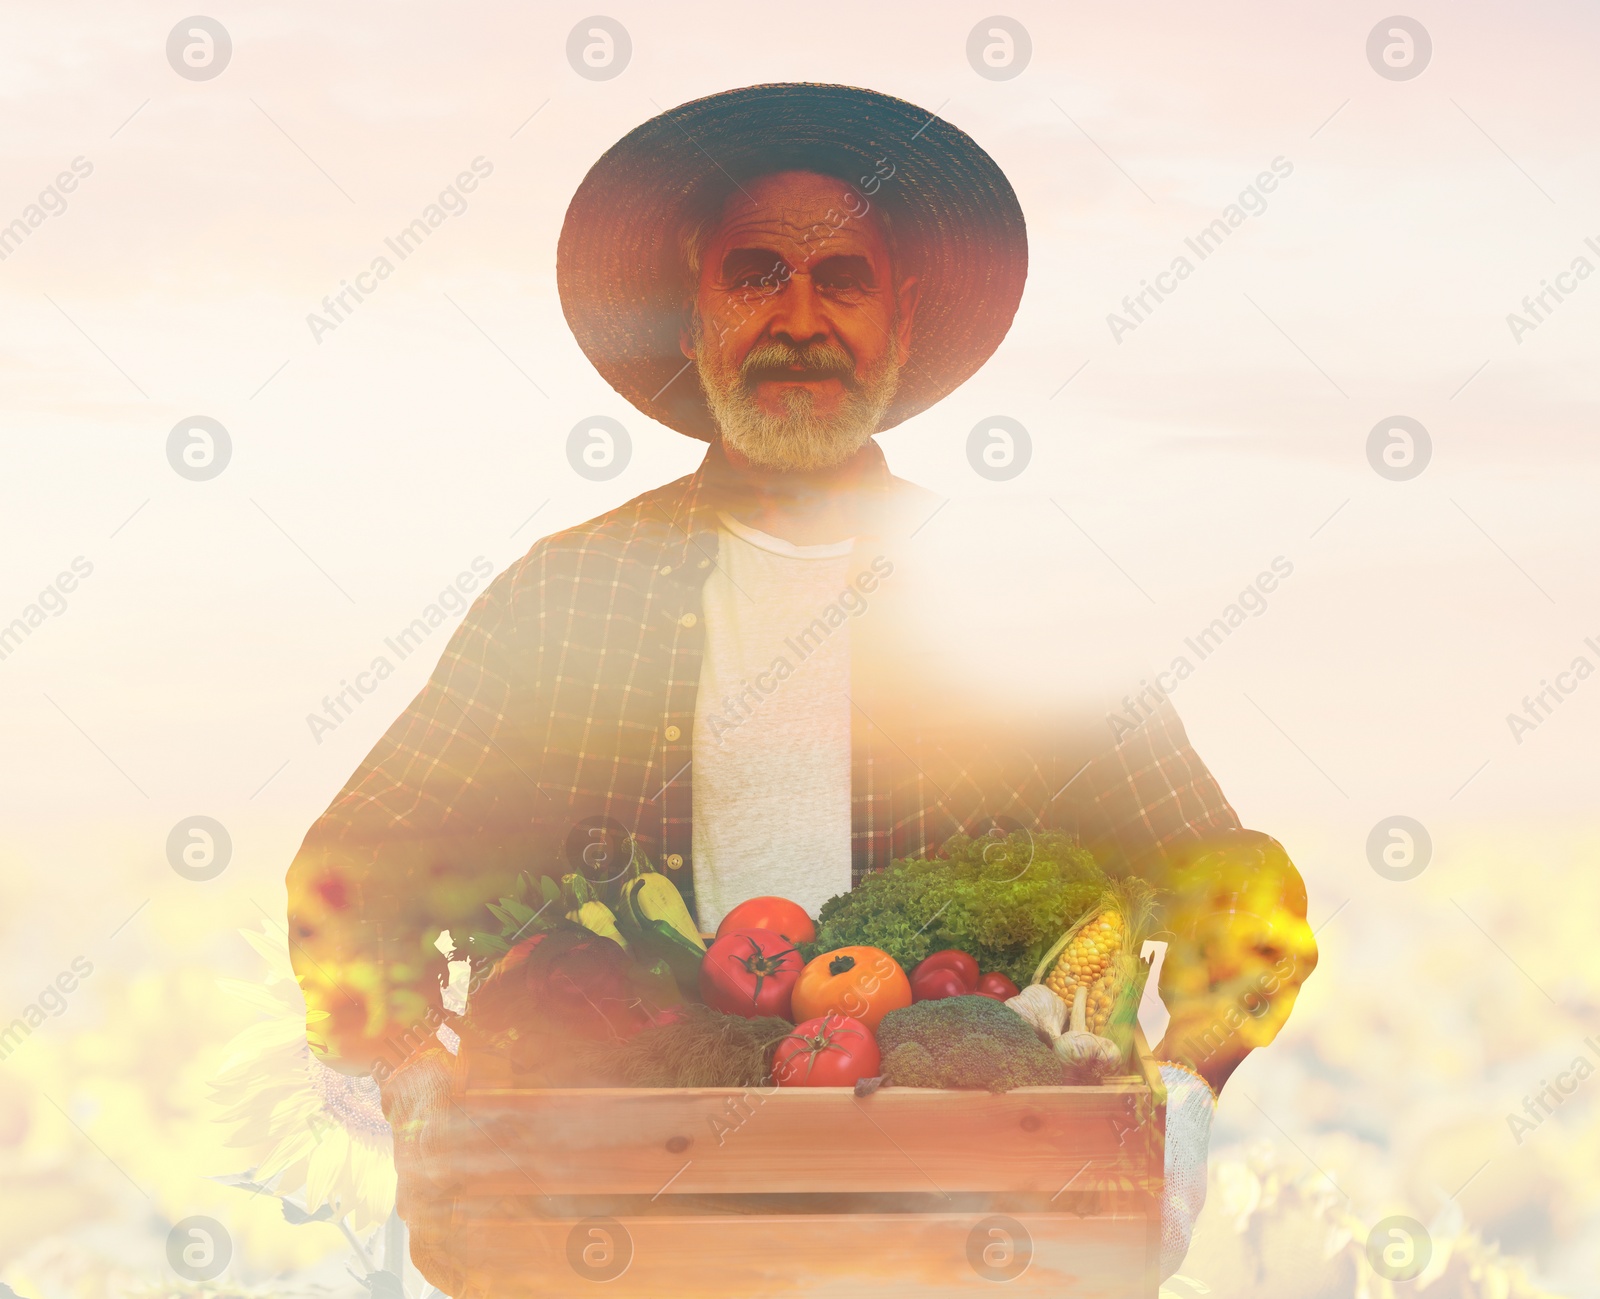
pixel 686 329
pixel 906 297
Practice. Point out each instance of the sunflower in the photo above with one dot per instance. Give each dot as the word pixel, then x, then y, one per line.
pixel 1272 1231
pixel 309 1130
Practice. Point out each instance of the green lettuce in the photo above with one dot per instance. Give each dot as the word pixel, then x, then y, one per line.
pixel 1002 901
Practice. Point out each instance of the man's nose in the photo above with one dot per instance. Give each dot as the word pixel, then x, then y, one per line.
pixel 799 318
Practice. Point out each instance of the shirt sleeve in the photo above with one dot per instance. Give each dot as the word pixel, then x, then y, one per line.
pixel 1150 793
pixel 434 821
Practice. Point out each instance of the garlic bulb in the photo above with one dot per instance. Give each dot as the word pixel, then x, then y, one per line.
pixel 1084 1053
pixel 1041 1008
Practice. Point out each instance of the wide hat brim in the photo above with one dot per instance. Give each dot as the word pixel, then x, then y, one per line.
pixel 954 218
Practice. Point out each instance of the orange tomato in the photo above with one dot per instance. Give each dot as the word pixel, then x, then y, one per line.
pixel 864 983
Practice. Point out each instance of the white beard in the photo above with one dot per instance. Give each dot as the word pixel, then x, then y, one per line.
pixel 798 439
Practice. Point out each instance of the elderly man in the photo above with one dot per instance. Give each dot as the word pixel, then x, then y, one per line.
pixel 729 669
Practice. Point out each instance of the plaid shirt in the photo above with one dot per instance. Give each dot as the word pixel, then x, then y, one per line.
pixel 567 696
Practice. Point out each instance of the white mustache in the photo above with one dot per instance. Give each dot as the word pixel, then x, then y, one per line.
pixel 819 358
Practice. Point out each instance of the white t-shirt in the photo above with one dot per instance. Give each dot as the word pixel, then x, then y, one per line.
pixel 771 743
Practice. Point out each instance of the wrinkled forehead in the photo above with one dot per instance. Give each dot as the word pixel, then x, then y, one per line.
pixel 798 214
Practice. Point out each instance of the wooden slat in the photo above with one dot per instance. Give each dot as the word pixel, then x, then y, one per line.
pixel 829 1257
pixel 727 1141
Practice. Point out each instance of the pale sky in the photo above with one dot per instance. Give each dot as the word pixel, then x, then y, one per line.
pixel 403 444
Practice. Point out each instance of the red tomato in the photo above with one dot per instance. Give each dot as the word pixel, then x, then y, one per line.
pixel 829 1051
pixel 998 986
pixel 936 984
pixel 952 959
pixel 777 914
pixel 750 972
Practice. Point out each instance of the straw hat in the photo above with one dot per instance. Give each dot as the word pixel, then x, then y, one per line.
pixel 953 217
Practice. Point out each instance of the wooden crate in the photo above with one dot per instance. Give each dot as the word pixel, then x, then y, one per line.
pixel 806 1191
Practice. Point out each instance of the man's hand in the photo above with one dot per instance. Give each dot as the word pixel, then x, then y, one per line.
pixel 417 1102
pixel 1239 950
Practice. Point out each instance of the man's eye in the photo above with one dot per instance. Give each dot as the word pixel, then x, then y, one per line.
pixel 840 283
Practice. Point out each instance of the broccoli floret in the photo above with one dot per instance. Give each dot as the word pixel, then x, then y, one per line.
pixel 966 1042
pixel 911 1066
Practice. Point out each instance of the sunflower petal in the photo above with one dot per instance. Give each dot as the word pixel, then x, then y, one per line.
pixel 296 1145
pixel 328 1173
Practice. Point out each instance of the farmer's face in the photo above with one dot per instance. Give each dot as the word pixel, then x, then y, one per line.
pixel 800 326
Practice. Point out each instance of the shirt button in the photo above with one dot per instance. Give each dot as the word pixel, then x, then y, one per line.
pixel 688 620
pixel 704 563
pixel 674 861
pixel 665 569
pixel 673 733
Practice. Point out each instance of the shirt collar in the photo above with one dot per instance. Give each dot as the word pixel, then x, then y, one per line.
pixel 713 486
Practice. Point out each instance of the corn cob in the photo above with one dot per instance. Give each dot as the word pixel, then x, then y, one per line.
pixel 1085 958
pixel 1101 952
